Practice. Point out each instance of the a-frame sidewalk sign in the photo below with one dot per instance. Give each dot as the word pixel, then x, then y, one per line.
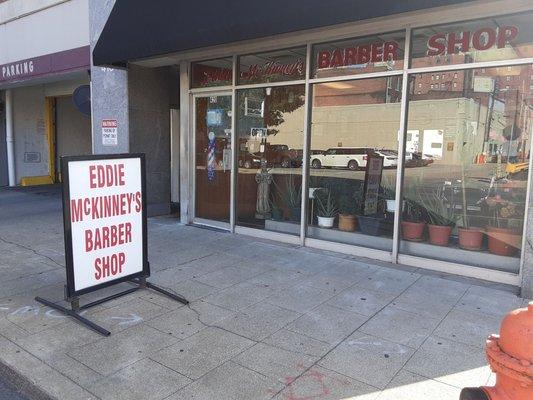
pixel 105 229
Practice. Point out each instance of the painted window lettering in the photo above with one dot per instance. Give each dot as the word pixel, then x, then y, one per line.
pixel 363 54
pixel 481 39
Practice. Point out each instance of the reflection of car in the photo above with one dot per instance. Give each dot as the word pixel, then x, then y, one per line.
pixel 275 154
pixel 390 158
pixel 352 158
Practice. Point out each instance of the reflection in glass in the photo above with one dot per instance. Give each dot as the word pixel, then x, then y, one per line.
pixel 467 158
pixel 213 157
pixel 270 140
pixel 354 142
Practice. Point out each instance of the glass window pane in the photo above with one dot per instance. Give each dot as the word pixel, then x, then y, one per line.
pixel 467 158
pixel 354 142
pixel 275 66
pixel 375 53
pixel 212 73
pixel 213 157
pixel 270 139
pixel 492 39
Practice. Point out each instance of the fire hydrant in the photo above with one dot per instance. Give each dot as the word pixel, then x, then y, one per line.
pixel 510 356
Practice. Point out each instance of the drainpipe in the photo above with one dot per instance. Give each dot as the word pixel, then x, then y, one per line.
pixel 10 139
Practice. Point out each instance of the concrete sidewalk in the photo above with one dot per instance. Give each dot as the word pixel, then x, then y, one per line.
pixel 266 320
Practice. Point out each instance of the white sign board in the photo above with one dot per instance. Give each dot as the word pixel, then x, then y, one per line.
pixel 109 132
pixel 104 219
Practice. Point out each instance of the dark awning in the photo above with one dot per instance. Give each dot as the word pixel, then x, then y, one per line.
pixel 139 29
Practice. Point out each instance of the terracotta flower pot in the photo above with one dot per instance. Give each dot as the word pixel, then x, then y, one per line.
pixel 503 241
pixel 413 231
pixel 347 222
pixel 470 238
pixel 439 235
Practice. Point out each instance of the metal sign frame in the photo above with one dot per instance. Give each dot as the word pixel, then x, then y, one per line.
pixel 67 224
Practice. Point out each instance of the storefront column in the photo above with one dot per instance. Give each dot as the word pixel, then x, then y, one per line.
pixel 10 139
pixel 185 176
pixel 527 267
pixel 109 89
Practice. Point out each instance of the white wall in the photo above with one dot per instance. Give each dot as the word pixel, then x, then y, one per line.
pixel 30 131
pixel 63 25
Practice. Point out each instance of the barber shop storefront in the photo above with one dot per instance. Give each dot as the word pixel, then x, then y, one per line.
pixel 402 137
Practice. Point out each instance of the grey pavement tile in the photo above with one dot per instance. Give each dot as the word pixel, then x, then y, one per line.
pixel 229 276
pixel 73 369
pixel 200 353
pixel 187 321
pixel 299 298
pixel 277 279
pixel 361 300
pixel 274 362
pixel 400 326
pixel 368 359
pixel 11 331
pixel 33 317
pixel 326 283
pixel 110 354
pixel 240 296
pixel 423 304
pixel 143 380
pixel 297 342
pixel 44 376
pixel 33 282
pixel 489 301
pixel 468 327
pixel 327 323
pixel 259 321
pixel 389 280
pixel 409 386
pixel 323 384
pixel 230 381
pixel 349 271
pixel 58 339
pixel 450 362
pixel 126 315
pixel 191 289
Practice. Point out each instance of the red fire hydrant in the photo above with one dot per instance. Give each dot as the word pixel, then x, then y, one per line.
pixel 510 356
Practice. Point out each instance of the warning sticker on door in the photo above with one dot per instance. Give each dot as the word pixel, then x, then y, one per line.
pixel 109 132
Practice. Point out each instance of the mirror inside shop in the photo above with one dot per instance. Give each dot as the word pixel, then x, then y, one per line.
pixel 466 162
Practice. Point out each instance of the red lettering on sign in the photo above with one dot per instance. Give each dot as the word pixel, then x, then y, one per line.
pixel 106 176
pixel 109 265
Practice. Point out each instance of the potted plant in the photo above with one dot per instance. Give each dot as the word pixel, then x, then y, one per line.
pixel 348 208
pixel 388 193
pixel 277 212
pixel 502 240
pixel 440 215
pixel 326 208
pixel 413 224
pixel 292 195
pixel 470 238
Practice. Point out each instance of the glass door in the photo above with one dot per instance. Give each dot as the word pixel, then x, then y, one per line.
pixel 212 159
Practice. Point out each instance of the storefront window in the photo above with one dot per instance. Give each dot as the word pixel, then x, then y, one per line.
pixel 270 139
pixel 354 143
pixel 375 53
pixel 492 39
pixel 212 73
pixel 275 66
pixel 467 160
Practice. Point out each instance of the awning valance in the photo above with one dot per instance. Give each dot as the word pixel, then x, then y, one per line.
pixel 138 29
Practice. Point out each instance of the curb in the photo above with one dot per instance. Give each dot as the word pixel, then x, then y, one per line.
pixel 22 383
